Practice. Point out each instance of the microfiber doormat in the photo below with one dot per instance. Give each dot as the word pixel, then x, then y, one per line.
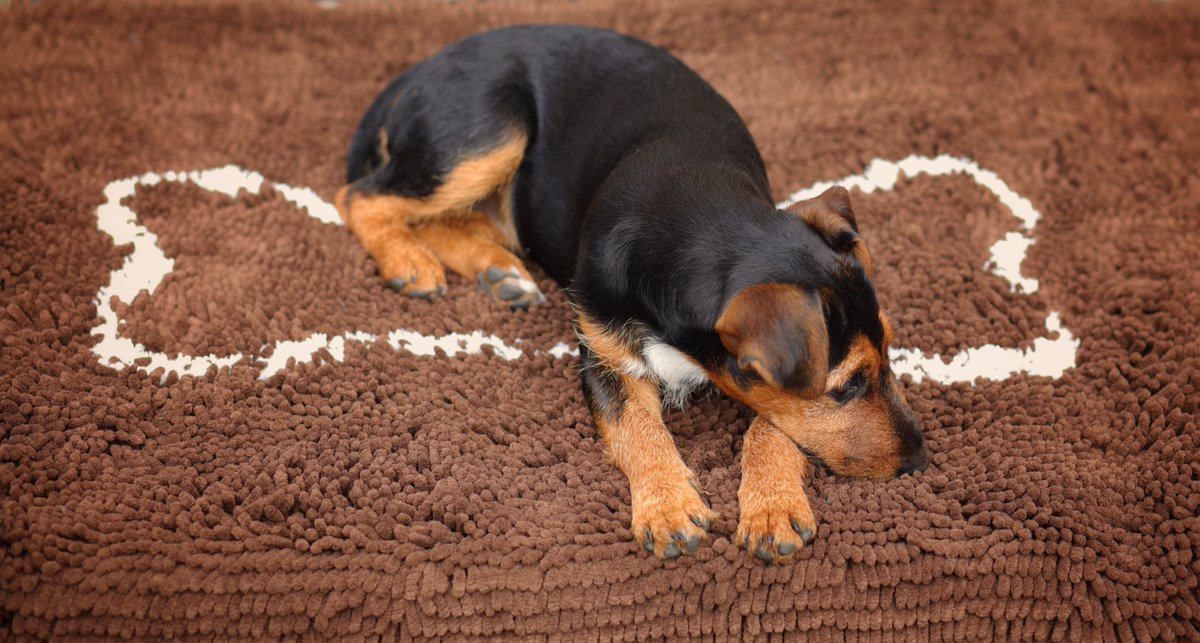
pixel 218 423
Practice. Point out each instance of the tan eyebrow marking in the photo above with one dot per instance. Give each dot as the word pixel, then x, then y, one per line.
pixel 886 321
pixel 861 355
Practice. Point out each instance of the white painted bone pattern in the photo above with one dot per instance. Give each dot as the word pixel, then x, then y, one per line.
pixel 147 265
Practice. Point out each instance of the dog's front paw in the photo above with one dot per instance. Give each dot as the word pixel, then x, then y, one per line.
pixel 512 287
pixel 414 271
pixel 774 526
pixel 669 517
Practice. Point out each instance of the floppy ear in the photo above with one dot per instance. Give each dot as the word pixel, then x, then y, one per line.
pixel 830 214
pixel 778 331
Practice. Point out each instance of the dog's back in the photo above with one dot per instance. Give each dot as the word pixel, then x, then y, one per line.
pixel 586 99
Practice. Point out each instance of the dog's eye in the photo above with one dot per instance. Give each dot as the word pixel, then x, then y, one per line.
pixel 853 388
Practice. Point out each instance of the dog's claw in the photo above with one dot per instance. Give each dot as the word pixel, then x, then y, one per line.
pixel 806 534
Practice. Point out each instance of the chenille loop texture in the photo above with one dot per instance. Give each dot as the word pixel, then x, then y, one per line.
pixel 371 492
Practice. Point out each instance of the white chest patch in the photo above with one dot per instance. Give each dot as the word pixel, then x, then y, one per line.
pixel 676 372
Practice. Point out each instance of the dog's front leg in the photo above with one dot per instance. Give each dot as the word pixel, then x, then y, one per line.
pixel 775 518
pixel 669 517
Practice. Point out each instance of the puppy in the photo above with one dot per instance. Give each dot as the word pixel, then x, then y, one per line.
pixel 638 188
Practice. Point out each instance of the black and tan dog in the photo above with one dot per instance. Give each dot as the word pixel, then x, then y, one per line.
pixel 637 187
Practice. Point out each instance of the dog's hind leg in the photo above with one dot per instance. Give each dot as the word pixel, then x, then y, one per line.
pixel 473 247
pixel 382 223
pixel 387 223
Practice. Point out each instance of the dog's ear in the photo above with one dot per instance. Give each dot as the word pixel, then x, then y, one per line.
pixel 778 331
pixel 831 216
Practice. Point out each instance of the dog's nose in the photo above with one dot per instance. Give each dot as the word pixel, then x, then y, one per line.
pixel 915 462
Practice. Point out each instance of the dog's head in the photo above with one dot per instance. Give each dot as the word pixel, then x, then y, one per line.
pixel 813 358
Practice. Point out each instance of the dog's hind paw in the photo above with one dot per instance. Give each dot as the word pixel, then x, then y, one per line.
pixel 512 287
pixel 414 272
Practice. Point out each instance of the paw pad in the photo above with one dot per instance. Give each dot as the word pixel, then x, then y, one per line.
pixel 509 287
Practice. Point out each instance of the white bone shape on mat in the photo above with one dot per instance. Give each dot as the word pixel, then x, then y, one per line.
pixel 147 265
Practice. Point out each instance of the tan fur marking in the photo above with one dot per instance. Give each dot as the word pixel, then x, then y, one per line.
pixel 471 246
pixel 381 145
pixel 771 498
pixel 468 244
pixel 886 321
pixel 862 355
pixel 386 236
pixel 383 223
pixel 503 219
pixel 666 504
pixel 863 255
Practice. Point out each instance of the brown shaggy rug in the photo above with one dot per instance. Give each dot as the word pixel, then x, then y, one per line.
pixel 216 422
